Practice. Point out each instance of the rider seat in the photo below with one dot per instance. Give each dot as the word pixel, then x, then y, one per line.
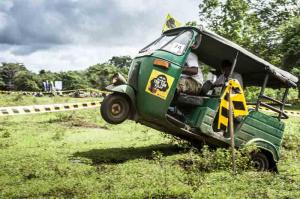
pixel 190 100
pixel 195 100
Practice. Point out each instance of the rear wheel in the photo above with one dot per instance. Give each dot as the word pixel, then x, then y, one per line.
pixel 261 161
pixel 115 108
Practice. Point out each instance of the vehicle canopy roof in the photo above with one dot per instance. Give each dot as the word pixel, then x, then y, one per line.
pixel 214 48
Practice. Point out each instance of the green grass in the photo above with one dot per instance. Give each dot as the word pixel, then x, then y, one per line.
pixel 76 154
pixel 20 100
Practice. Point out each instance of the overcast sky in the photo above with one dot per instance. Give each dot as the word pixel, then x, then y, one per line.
pixel 73 34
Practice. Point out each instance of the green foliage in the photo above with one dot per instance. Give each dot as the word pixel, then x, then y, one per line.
pixel 120 61
pixel 252 24
pixel 191 23
pixel 74 80
pixel 291 48
pixel 252 93
pixel 18 98
pixel 99 75
pixel 270 30
pixel 27 81
pixel 58 135
pixel 291 38
pixel 9 72
pixel 15 76
pixel 5 133
pixel 208 160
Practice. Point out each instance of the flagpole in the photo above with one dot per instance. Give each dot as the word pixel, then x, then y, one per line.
pixel 231 130
pixel 233 65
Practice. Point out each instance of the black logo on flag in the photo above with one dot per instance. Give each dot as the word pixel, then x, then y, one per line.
pixel 171 23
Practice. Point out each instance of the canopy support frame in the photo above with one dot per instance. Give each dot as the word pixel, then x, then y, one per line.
pixel 281 103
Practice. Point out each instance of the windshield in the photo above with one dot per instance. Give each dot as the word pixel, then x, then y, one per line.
pixel 157 44
pixel 178 45
pixel 172 43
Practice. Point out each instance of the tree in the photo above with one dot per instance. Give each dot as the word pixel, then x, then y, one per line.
pixel 74 80
pixel 99 75
pixel 290 47
pixel 191 23
pixel 120 61
pixel 9 72
pixel 257 26
pixel 253 24
pixel 26 81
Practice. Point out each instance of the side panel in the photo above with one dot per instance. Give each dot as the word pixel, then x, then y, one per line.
pixel 203 116
pixel 258 125
pixel 149 105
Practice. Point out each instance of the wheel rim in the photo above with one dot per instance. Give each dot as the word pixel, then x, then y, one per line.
pixel 259 164
pixel 116 109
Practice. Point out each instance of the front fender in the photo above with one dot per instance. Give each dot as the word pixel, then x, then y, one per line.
pixel 266 145
pixel 124 88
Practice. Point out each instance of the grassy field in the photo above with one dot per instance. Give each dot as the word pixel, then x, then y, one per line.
pixel 77 155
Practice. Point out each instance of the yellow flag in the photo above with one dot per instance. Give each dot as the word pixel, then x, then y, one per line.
pixel 170 23
pixel 238 101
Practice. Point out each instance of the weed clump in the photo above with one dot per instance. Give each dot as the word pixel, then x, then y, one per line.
pixel 18 98
pixel 58 135
pixel 291 142
pixel 208 160
pixel 74 120
pixel 62 117
pixel 6 141
pixel 6 134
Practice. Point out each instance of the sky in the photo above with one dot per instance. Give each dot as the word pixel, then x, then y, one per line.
pixel 61 35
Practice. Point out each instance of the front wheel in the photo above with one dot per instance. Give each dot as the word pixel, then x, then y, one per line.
pixel 115 108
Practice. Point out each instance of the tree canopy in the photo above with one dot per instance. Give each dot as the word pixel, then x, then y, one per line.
pixel 15 76
pixel 269 29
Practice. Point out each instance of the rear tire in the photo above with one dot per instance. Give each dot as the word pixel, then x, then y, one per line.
pixel 115 108
pixel 261 161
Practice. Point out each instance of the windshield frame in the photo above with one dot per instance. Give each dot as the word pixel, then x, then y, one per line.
pixel 170 34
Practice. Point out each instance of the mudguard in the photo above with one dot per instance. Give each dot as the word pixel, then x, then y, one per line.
pixel 268 146
pixel 124 88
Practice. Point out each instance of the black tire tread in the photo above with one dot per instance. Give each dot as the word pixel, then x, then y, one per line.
pixel 105 105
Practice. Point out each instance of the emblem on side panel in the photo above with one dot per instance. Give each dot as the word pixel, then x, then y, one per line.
pixel 159 84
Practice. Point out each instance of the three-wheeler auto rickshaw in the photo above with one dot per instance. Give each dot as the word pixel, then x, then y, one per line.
pixel 149 96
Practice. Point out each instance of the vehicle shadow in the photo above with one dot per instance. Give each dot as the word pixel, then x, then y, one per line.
pixel 121 155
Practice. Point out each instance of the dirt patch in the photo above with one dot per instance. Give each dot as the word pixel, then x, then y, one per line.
pixel 85 124
pixel 75 121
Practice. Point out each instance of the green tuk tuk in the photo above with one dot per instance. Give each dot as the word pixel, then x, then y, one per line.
pixel 149 95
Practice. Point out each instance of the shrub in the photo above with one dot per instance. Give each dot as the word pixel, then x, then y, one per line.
pixel 208 160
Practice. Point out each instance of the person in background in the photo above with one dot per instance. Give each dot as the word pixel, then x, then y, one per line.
pixel 191 79
pixel 225 70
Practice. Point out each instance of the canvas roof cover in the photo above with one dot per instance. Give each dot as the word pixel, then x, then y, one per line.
pixel 213 49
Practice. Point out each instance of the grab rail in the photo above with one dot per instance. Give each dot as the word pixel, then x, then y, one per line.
pixel 283 115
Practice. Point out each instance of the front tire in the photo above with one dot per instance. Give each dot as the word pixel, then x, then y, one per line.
pixel 115 108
